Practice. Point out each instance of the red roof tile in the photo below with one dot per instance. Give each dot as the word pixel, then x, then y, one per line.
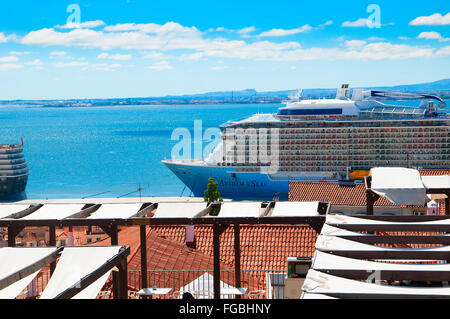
pixel 170 262
pixel 332 192
pixel 263 247
pixel 428 172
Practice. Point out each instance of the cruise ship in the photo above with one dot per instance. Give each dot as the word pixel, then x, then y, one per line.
pixel 13 171
pixel 321 140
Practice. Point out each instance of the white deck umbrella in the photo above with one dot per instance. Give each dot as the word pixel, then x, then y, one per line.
pixel 6 210
pixel 320 283
pixel 328 230
pixel 349 220
pixel 204 283
pixel 296 209
pixel 325 243
pixel 306 295
pixel 441 181
pixel 14 259
pixel 76 263
pixel 55 211
pixel 240 209
pixel 179 210
pixel 322 260
pixel 331 243
pixel 112 211
pixel 401 186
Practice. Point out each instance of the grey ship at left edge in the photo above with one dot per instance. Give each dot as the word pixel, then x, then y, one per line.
pixel 13 172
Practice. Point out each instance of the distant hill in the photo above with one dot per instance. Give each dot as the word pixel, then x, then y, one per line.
pixel 441 85
pixel 249 96
pixel 431 86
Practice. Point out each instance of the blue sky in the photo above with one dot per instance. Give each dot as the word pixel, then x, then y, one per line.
pixel 137 48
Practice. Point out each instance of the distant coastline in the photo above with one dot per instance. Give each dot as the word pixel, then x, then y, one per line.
pixel 440 88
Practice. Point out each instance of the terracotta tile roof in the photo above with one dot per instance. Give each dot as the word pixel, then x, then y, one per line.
pixel 332 192
pixel 428 172
pixel 171 263
pixel 263 247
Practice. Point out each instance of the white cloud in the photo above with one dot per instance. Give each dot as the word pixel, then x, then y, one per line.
pixel 86 24
pixel 4 38
pixel 432 35
pixel 106 67
pixel 220 67
pixel 329 22
pixel 37 63
pixel 356 24
pixel 284 32
pixel 375 39
pixel 9 59
pixel 19 52
pixel 58 53
pixel 244 32
pixel 154 28
pixel 354 43
pixel 110 40
pixel 362 22
pixel 156 56
pixel 10 66
pixel 117 56
pixel 175 37
pixel 219 29
pixel 445 51
pixel 160 66
pixel 70 64
pixel 434 19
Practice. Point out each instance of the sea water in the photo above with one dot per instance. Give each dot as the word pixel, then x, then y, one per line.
pixel 75 152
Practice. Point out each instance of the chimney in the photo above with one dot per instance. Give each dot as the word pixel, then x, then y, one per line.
pixel 70 241
pixel 190 236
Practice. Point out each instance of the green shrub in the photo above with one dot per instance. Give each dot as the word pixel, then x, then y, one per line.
pixel 212 195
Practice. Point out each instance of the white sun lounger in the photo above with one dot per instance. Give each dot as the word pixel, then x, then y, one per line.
pixel 119 211
pixel 240 209
pixel 55 211
pixel 13 263
pixel 320 283
pixel 76 263
pixel 295 209
pixel 180 210
pixel 6 210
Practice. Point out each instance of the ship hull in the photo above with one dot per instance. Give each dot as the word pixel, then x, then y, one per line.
pixel 13 172
pixel 236 185
pixel 12 187
pixel 232 184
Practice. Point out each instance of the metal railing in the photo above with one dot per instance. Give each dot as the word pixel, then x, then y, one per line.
pixel 253 280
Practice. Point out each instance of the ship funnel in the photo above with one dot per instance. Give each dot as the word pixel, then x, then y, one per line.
pixel 296 96
pixel 344 92
pixel 358 95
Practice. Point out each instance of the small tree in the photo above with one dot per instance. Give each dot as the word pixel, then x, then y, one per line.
pixel 212 194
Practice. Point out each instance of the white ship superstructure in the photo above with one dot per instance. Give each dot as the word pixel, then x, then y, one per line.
pixel 322 139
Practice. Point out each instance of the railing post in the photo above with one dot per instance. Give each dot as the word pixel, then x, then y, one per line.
pixel 144 279
pixel 217 230
pixel 52 240
pixel 237 258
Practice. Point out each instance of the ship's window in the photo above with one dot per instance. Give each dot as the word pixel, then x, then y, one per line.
pixel 310 111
